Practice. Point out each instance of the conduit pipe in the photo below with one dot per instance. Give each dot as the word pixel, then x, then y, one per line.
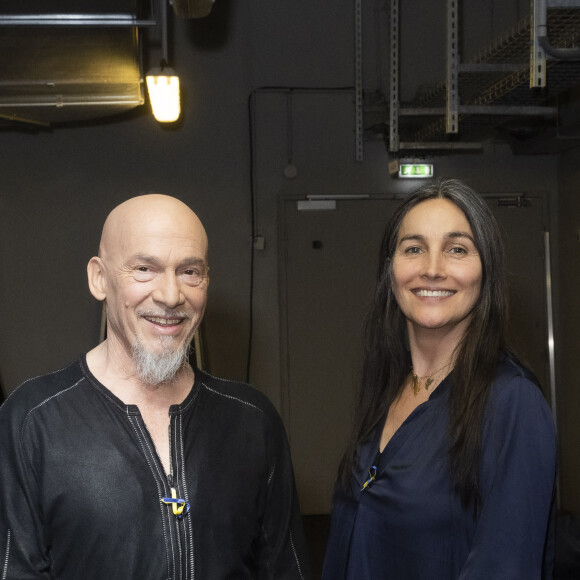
pixel 541 29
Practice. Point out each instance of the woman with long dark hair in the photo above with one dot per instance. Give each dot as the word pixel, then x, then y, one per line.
pixel 450 469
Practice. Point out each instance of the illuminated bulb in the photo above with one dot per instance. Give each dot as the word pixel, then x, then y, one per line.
pixel 163 87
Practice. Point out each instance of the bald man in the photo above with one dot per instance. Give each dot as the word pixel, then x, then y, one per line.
pixel 130 464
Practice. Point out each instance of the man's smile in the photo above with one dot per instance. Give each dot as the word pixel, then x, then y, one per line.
pixel 164 321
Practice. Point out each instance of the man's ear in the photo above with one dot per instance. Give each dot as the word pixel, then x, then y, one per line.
pixel 97 278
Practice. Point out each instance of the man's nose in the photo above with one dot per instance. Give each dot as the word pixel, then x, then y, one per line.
pixel 168 291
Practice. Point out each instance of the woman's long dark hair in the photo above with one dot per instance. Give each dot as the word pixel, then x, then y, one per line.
pixel 386 363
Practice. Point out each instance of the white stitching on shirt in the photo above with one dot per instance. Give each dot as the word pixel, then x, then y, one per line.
pixel 176 522
pixel 232 398
pixel 271 475
pixel 32 379
pixel 176 479
pixel 178 437
pixel 295 555
pixel 46 401
pixel 190 402
pixel 6 557
pixel 153 452
pixel 222 379
pixel 133 421
pixel 101 389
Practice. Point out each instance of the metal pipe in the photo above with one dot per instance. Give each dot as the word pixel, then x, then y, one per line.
pixel 541 25
pixel 571 54
pixel 551 343
pixel 451 145
pixel 74 20
pixel 550 321
pixel 164 49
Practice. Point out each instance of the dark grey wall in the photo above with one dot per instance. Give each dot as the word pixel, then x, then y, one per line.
pixel 57 187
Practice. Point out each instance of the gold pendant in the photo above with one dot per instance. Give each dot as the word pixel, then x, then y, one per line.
pixel 428 383
pixel 416 384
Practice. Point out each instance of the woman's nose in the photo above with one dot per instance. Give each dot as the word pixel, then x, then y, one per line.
pixel 434 265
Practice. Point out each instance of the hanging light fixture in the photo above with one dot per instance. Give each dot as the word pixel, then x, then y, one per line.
pixel 162 82
pixel 163 87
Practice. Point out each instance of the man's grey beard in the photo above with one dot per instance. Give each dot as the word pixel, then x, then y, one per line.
pixel 155 368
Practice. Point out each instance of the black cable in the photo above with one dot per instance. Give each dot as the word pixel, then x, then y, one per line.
pixel 253 199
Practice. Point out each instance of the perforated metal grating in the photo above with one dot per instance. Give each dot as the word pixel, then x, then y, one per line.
pixel 500 88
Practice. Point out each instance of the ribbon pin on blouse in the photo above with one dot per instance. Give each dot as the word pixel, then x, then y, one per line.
pixel 180 506
pixel 371 478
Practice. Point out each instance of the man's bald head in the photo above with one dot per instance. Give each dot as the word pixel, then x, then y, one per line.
pixel 152 213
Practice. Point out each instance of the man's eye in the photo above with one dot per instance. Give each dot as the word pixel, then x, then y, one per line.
pixel 143 273
pixel 194 276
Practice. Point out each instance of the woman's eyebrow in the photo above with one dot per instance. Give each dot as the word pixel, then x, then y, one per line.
pixel 452 235
pixel 449 236
pixel 416 237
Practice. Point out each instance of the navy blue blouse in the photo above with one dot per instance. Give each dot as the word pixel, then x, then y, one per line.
pixel 408 524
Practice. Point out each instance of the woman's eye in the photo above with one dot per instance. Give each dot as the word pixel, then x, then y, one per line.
pixel 412 250
pixel 457 250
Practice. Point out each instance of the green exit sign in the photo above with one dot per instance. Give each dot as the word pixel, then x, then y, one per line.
pixel 423 170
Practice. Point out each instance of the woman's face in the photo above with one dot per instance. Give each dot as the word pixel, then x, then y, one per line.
pixel 436 267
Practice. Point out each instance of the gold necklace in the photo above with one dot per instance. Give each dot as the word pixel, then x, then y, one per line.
pixel 430 379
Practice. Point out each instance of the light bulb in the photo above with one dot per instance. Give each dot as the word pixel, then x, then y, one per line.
pixel 163 87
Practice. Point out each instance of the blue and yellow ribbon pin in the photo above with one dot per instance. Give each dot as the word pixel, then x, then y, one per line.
pixel 180 506
pixel 371 478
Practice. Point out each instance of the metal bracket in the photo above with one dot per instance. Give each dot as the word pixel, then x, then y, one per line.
pixel 452 117
pixel 358 83
pixel 537 54
pixel 394 79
